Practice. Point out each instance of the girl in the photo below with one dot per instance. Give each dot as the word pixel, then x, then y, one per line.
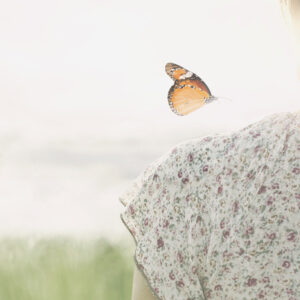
pixel 218 217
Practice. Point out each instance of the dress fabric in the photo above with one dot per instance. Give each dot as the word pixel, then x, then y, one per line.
pixel 218 217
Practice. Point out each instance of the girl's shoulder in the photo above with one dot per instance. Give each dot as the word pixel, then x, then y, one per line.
pixel 270 130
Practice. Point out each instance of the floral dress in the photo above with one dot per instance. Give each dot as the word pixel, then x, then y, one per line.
pixel 218 217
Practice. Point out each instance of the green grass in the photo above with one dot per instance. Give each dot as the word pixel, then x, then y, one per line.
pixel 65 269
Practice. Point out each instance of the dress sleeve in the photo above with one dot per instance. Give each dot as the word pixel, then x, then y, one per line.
pixel 179 209
pixel 159 215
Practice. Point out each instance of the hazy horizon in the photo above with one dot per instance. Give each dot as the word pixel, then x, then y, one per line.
pixel 84 97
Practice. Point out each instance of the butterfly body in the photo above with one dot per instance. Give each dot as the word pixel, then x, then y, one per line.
pixel 189 91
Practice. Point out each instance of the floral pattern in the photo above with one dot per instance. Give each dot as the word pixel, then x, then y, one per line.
pixel 218 217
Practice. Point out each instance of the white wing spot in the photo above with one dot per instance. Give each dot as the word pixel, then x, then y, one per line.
pixel 186 75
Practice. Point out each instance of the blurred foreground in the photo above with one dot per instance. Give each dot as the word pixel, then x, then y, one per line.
pixel 65 269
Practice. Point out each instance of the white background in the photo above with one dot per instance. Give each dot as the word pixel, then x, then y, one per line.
pixel 83 96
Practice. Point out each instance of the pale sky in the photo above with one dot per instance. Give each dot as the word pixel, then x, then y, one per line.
pixel 83 95
pixel 108 57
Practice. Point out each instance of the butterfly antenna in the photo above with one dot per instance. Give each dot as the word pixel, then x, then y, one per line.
pixel 221 97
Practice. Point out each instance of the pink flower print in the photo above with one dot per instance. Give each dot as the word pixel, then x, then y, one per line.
pixel 146 222
pixel 296 171
pixel 133 232
pixel 205 168
pixel 227 269
pixel 235 206
pixel 249 230
pixel 171 275
pixel 174 151
pixel 272 236
pixel 251 281
pixel 155 176
pixel 180 174
pixel 180 257
pixel 166 223
pixel 256 149
pixel 180 283
pixel 218 177
pixel 131 209
pixel 222 224
pixel 289 291
pixel 194 269
pixel 291 236
pixel 185 180
pixel 187 198
pixel 198 219
pixel 241 252
pixel 160 243
pixel 207 139
pixel 266 279
pixel 229 172
pixel 254 135
pixel 248 258
pixel 261 294
pixel 218 287
pixel 269 201
pixel 275 186
pixel 220 189
pixel 286 264
pixel 226 234
pixel 250 175
pixel 226 253
pixel 262 189
pixel 297 195
pixel 190 157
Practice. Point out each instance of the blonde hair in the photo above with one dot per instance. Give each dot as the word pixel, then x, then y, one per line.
pixel 291 12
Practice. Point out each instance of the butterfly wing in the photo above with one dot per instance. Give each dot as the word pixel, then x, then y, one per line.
pixel 189 91
pixel 177 72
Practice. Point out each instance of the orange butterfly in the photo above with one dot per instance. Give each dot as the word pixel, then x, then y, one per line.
pixel 189 92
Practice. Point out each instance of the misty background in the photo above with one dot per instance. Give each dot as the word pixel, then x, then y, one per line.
pixel 84 106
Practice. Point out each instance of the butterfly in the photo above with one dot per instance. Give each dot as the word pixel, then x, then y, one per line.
pixel 189 91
